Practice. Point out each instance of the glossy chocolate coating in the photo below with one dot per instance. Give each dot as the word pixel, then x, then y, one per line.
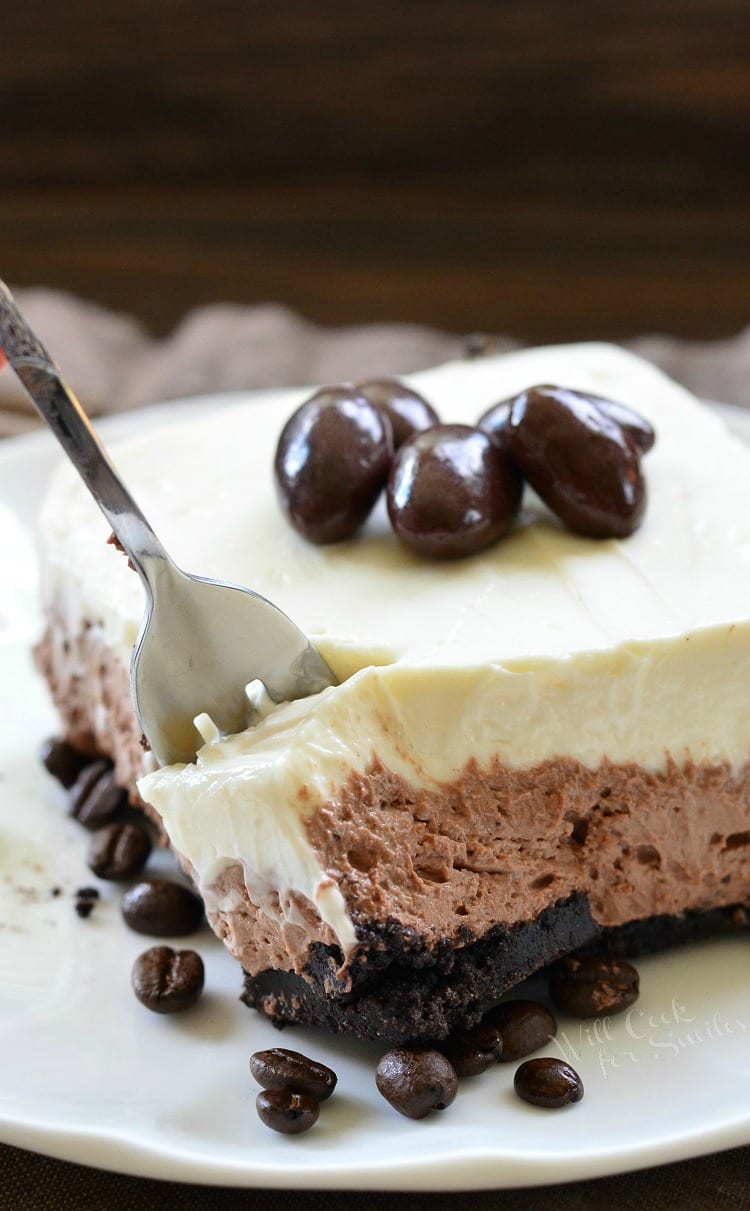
pixel 635 425
pixel 580 462
pixel 452 491
pixel 332 461
pixel 495 422
pixel 406 409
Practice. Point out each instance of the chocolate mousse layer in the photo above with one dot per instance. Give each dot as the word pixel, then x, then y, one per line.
pixel 502 845
pixel 458 895
pixel 91 690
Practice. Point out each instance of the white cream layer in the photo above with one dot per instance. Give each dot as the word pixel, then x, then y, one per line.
pixel 546 645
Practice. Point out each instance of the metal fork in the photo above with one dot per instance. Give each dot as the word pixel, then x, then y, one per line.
pixel 201 641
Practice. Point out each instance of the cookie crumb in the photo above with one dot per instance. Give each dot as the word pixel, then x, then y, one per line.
pixel 86 898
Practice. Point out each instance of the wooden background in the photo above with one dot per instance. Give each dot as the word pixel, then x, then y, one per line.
pixel 549 168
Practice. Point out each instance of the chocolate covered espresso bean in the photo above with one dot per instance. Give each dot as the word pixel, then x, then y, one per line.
pixel 278 1068
pixel 406 409
pixel 332 460
pixel 495 422
pixel 636 426
pixel 581 463
pixel 452 492
pixel 496 419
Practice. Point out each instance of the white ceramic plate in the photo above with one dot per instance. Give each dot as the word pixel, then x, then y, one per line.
pixel 88 1075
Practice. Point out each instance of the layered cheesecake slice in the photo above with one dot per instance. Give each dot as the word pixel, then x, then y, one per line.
pixel 536 748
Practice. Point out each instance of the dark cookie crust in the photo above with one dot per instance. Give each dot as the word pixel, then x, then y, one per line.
pixel 660 933
pixel 401 989
pixel 406 991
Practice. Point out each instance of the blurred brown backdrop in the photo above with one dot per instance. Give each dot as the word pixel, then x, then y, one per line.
pixel 549 168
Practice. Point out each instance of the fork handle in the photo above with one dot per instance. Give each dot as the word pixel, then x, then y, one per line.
pixel 58 406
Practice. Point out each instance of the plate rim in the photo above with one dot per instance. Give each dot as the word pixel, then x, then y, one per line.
pixel 468 1171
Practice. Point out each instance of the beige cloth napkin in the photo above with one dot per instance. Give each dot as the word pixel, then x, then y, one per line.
pixel 114 364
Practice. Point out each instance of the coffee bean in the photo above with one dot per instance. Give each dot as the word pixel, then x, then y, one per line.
pixel 162 909
pixel 278 1068
pixel 332 461
pixel 523 1026
pixel 62 761
pixel 588 986
pixel 416 1080
pixel 166 980
pixel 472 1051
pixel 452 491
pixel 579 461
pixel 487 1036
pixel 406 409
pixel 118 851
pixel 95 798
pixel 548 1082
pixel 289 1113
pixel 495 422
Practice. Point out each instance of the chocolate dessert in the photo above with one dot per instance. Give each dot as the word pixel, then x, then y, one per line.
pixel 538 747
